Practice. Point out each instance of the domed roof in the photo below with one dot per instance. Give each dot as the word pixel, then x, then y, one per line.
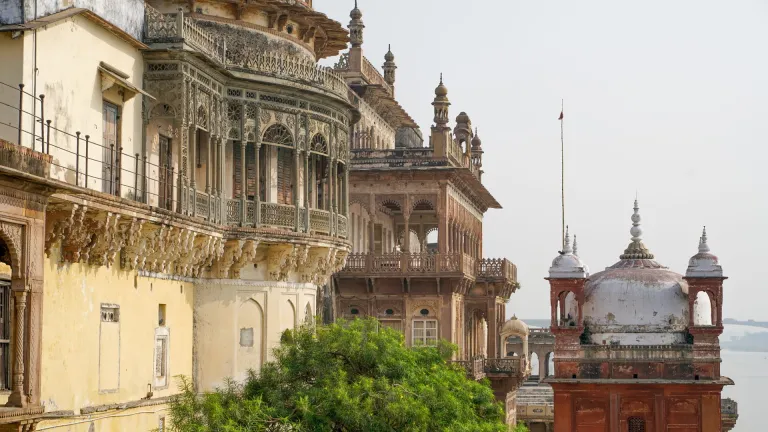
pixel 462 118
pixel 704 264
pixel 441 91
pixel 636 301
pixel 476 142
pixel 356 13
pixel 568 265
pixel 389 56
pixel 514 326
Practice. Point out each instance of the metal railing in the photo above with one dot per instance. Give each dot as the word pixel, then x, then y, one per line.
pixel 44 150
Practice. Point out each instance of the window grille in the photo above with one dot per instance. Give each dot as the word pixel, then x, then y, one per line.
pixel 424 332
pixel 110 314
pixel 636 424
pixel 161 350
pixel 319 144
pixel 279 135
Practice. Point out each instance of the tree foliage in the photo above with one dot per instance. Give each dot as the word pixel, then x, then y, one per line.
pixel 347 376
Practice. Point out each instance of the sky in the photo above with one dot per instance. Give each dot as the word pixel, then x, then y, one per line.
pixel 666 100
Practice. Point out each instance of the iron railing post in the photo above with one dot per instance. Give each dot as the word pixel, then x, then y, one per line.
pixel 48 146
pixel 136 179
pixel 87 144
pixel 77 160
pixel 42 124
pixel 144 181
pixel 21 109
pixel 111 169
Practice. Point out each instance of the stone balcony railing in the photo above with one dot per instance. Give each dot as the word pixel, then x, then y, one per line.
pixel 284 216
pixel 175 28
pixel 480 367
pixel 409 264
pixel 475 368
pixel 497 268
pixel 373 76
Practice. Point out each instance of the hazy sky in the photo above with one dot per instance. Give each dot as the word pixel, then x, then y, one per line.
pixel 669 99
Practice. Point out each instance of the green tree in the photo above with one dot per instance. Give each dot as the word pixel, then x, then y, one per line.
pixel 347 376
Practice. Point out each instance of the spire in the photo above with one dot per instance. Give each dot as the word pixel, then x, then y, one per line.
pixel 636 249
pixel 575 246
pixel 389 67
pixel 441 104
pixel 356 27
pixel 703 246
pixel 567 249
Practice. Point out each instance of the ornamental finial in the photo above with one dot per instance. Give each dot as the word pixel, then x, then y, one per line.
pixel 703 246
pixel 567 248
pixel 575 246
pixel 636 249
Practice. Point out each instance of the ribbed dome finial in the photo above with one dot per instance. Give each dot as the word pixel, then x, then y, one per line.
pixel 636 249
pixel 575 246
pixel 567 248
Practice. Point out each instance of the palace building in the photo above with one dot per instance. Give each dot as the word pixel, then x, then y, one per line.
pixel 173 191
pixel 637 345
pixel 416 227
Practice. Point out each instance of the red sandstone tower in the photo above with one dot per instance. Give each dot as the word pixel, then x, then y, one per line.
pixel 637 345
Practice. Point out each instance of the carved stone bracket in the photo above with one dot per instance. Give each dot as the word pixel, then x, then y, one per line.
pixel 281 259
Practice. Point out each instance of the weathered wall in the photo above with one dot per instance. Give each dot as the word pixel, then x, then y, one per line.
pixel 239 322
pixel 73 97
pixel 128 15
pixel 372 131
pixel 79 364
pixel 11 12
pixel 11 54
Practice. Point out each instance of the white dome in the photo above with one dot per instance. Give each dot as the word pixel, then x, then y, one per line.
pixel 568 265
pixel 636 301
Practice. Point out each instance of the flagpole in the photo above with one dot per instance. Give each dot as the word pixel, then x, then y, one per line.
pixel 562 171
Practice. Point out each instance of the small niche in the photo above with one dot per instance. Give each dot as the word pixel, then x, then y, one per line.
pixel 161 315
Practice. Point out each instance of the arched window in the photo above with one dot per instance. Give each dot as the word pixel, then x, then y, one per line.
pixel 278 135
pixel 318 144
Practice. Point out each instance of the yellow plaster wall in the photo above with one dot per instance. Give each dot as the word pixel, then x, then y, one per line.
pixel 225 307
pixel 68 55
pixel 71 333
pixel 11 51
pixel 131 420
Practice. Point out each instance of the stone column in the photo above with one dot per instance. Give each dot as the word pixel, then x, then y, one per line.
pixel 307 190
pixel 407 232
pixel 192 206
pixel 542 366
pixel 257 171
pixel 493 328
pixel 243 173
pixel 17 397
pixel 296 184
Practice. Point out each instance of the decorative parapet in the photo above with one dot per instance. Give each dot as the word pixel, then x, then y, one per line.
pixel 24 159
pixel 175 28
pixel 284 216
pixel 475 368
pixel 373 76
pixel 409 264
pixel 499 272
pixel 729 410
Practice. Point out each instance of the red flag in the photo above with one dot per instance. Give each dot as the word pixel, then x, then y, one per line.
pixel 561 116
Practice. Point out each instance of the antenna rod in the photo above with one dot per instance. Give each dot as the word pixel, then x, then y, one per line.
pixel 562 170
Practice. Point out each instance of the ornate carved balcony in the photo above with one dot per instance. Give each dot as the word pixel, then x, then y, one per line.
pixel 475 368
pixel 174 30
pixel 409 265
pixel 499 272
pixel 284 216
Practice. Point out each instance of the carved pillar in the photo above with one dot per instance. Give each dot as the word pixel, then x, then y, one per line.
pixel 493 328
pixel 307 189
pixel 407 233
pixel 243 173
pixel 371 236
pixel 296 183
pixel 208 164
pixel 193 141
pixel 17 397
pixel 257 170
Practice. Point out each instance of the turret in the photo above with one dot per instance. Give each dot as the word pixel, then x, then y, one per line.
pixel 477 165
pixel 567 278
pixel 389 68
pixel 441 138
pixel 356 28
